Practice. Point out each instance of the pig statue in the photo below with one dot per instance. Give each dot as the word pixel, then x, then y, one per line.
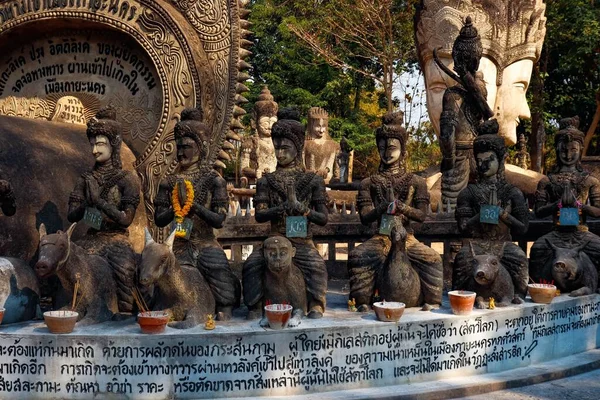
pixel 572 270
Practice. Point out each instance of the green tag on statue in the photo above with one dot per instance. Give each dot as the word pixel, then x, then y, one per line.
pixel 184 229
pixel 296 227
pixel 489 214
pixel 92 217
pixel 386 225
pixel 569 216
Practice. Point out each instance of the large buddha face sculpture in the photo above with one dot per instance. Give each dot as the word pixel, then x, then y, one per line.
pixel 510 48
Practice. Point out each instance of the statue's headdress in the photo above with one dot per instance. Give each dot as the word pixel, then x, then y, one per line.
pixel 569 132
pixel 288 126
pixel 510 30
pixel 105 123
pixel 265 105
pixel 467 46
pixel 392 127
pixel 191 125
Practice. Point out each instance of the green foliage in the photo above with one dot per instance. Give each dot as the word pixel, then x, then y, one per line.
pixel 422 147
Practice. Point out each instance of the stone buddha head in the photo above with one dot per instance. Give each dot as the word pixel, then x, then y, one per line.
pixel 489 150
pixel 288 138
pixel 512 34
pixel 191 138
pixel 278 252
pixel 568 143
pixel 104 133
pixel 318 121
pixel 264 113
pixel 391 140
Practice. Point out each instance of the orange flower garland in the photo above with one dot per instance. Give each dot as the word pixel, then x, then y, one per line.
pixel 182 212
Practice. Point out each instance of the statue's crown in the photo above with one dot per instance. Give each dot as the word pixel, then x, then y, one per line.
pixel 510 30
pixel 569 131
pixel 317 113
pixel 392 127
pixel 266 104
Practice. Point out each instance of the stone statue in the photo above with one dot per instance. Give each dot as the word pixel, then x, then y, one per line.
pixel 567 189
pixel 257 152
pixel 7 199
pixel 488 212
pixel 522 158
pixel 343 161
pixel 97 294
pixel 193 199
pixel 512 34
pixel 464 108
pixel 320 151
pixel 106 199
pixel 284 282
pixel 182 291
pixel 390 195
pixel 284 197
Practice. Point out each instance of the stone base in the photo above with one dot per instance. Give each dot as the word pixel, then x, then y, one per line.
pixel 342 351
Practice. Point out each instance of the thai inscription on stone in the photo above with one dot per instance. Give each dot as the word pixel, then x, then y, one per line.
pixel 297 361
pixel 90 67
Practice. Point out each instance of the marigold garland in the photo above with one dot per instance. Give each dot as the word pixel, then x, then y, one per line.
pixel 182 212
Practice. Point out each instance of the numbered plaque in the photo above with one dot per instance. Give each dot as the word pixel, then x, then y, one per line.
pixel 184 229
pixel 489 214
pixel 92 218
pixel 569 216
pixel 386 225
pixel 296 227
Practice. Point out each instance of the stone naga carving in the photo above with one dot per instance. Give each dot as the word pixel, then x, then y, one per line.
pixel 320 151
pixel 512 35
pixel 489 278
pixel 97 297
pixel 573 271
pixel 284 282
pixel 567 189
pixel 19 290
pixel 389 196
pixel 106 198
pixel 180 290
pixel 257 151
pixel 487 213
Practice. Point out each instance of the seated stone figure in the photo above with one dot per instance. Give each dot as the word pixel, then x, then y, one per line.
pixel 487 212
pixel 284 282
pixel 109 196
pixel 567 186
pixel 7 199
pixel 194 200
pixel 393 194
pixel 290 191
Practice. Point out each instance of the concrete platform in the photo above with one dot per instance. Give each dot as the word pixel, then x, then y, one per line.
pixel 349 355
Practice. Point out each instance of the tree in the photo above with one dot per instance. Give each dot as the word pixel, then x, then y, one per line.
pixel 372 38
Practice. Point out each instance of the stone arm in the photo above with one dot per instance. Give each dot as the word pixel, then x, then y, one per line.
pixel 319 213
pixel 262 202
pixel 215 216
pixel 130 198
pixel 7 199
pixel 517 218
pixel 163 209
pixel 593 209
pixel 466 217
pixel 368 212
pixel 542 206
pixel 451 103
pixel 77 201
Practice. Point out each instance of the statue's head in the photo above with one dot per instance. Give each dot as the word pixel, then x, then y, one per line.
pixel 104 133
pixel 345 145
pixel 191 137
pixel 288 138
pixel 489 150
pixel 318 121
pixel 512 34
pixel 278 252
pixel 391 139
pixel 568 143
pixel 264 113
pixel 467 49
